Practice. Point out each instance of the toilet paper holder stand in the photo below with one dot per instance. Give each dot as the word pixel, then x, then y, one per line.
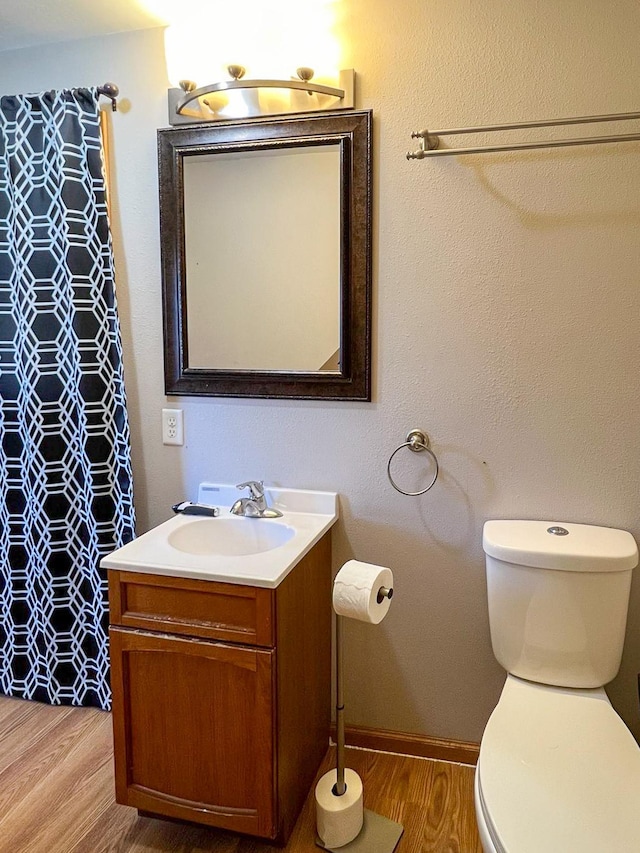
pixel 379 834
pixel 383 592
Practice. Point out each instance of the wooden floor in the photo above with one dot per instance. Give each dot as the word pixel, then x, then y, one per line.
pixel 56 795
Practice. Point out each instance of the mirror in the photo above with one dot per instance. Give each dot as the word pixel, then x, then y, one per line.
pixel 266 257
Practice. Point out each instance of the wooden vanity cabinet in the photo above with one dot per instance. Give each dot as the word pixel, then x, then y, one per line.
pixel 221 695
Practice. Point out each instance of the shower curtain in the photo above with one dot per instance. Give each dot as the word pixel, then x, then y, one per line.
pixel 65 469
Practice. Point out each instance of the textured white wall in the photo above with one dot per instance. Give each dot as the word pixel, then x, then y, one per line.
pixel 505 324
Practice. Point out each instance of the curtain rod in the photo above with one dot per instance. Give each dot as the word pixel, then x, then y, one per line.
pixel 430 140
pixel 111 91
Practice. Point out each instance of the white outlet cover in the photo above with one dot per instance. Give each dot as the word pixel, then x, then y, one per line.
pixel 172 426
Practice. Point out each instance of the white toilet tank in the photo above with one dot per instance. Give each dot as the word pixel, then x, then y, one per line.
pixel 558 598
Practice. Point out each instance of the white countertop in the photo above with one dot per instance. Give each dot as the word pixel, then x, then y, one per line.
pixel 152 552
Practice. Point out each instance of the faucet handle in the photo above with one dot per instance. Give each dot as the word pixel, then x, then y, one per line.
pixel 256 488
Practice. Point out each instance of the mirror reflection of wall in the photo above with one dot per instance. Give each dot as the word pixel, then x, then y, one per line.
pixel 262 254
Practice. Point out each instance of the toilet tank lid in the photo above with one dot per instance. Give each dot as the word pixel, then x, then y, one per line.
pixel 583 548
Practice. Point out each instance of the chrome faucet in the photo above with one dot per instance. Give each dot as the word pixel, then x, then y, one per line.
pixel 254 506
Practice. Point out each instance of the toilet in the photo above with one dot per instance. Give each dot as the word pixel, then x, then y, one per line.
pixel 558 772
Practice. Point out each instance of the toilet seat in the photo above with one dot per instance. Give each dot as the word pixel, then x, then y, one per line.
pixel 558 771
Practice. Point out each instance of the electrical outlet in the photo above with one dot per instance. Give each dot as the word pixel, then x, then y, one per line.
pixel 172 426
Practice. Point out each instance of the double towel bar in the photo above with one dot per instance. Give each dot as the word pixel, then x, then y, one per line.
pixel 430 139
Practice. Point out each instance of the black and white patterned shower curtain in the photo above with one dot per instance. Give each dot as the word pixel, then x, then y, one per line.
pixel 65 469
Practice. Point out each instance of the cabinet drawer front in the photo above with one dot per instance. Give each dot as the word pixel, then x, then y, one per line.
pixel 193 731
pixel 215 611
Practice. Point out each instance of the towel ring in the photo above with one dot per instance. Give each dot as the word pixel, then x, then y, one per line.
pixel 416 441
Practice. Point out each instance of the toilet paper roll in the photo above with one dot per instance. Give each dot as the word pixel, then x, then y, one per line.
pixel 355 591
pixel 339 818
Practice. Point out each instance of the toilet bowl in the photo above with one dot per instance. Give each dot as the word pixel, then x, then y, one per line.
pixel 558 772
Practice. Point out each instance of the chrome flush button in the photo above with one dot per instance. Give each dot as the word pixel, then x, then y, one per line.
pixel 558 531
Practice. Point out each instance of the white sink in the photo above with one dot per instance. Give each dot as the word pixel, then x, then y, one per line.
pixel 229 548
pixel 230 537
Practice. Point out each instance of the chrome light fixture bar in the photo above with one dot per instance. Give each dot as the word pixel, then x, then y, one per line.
pixel 187 103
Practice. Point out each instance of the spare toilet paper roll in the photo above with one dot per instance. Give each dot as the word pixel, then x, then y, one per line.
pixel 339 818
pixel 355 591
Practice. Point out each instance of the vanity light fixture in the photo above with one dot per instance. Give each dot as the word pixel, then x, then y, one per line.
pixel 190 102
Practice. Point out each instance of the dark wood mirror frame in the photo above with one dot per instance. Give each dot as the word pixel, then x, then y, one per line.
pixel 351 131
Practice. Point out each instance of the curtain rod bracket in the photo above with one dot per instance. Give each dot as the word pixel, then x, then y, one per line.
pixel 110 91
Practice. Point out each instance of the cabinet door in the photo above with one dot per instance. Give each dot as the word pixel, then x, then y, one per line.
pixel 193 730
